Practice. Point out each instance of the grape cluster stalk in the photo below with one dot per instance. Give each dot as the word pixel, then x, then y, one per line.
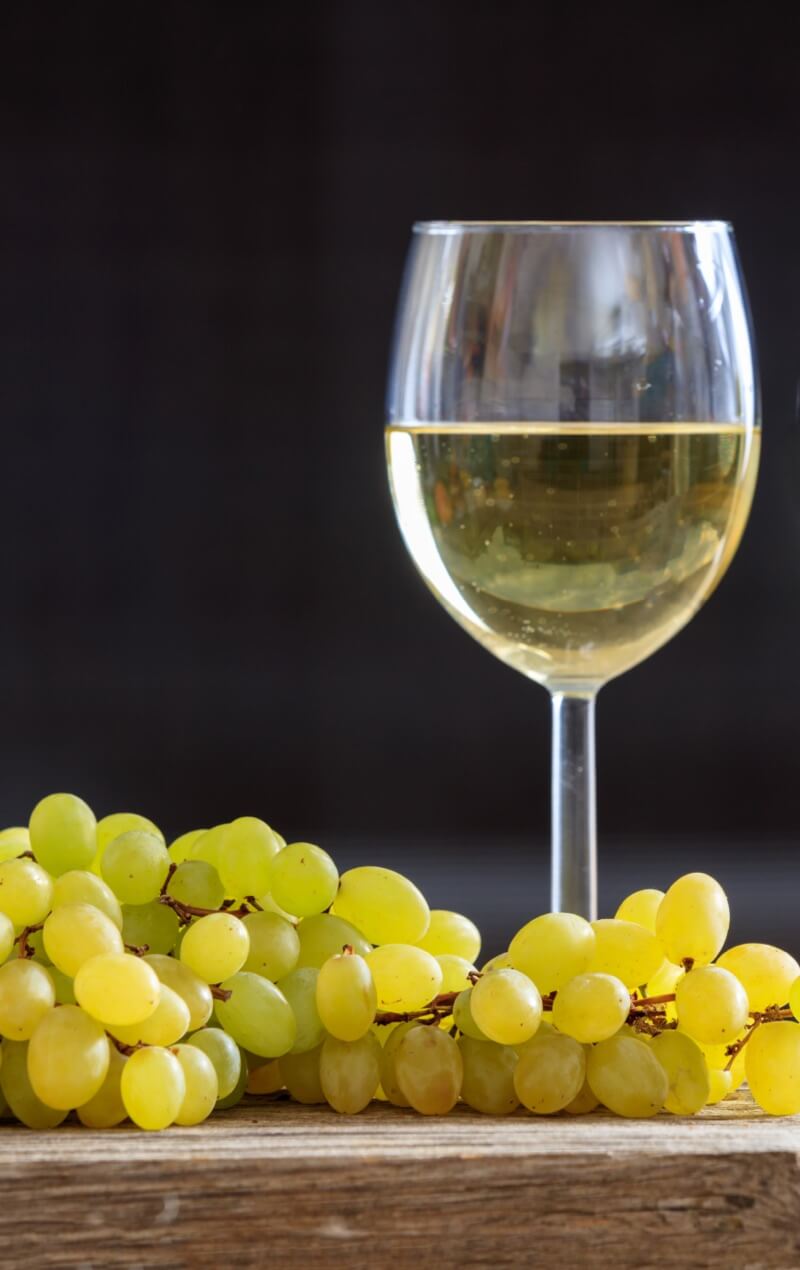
pixel 157 984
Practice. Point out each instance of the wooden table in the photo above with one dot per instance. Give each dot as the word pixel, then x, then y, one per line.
pixel 275 1184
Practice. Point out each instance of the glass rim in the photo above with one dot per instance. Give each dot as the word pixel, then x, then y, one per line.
pixel 543 226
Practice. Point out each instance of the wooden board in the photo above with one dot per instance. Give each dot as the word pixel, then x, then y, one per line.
pixel 276 1184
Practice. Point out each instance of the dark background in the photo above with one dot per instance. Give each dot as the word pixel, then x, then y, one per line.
pixel 208 610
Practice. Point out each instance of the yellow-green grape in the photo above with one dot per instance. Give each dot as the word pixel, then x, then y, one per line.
pixel 265 1079
pixel 385 906
pixel 79 886
pixel 693 919
pixel 451 934
pixel 13 841
pixel 153 1087
pixel 766 973
pixel 405 977
pixel 75 932
pixel 718 1058
pixel 119 822
pixel 245 857
pixel 773 1067
pixel 685 1065
pixel 135 865
pixel 180 849
pixel 488 1077
pixel 168 1023
pixel 641 907
pixel 627 1078
pixel 26 892
pixel 545 1028
pixel 462 1016
pixel 663 983
pixel 196 883
pixel 209 845
pixel 154 927
pixel 712 1005
pixel 720 1084
pixel 391 1044
pixel 106 1108
pixel 62 829
pixel 349 1072
pixel 274 945
pixel 550 1073
pixel 300 1074
pixel 303 879
pixel 215 947
pixel 501 962
pixel 223 1053
pixel 346 996
pixel 257 1015
pixel 583 1102
pixel 506 1006
pixel 18 1091
pixel 67 1058
pixel 117 989
pixel 591 1007
pixel 429 1070
pixel 27 994
pixel 237 1094
pixel 552 949
pixel 456 972
pixel 626 950
pixel 187 984
pixel 65 991
pixel 268 905
pixel 794 998
pixel 325 935
pixel 7 937
pixel 200 1079
pixel 300 990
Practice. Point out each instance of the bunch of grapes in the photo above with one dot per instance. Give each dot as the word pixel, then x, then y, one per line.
pixel 153 983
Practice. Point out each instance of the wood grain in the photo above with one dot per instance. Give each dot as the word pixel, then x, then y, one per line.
pixel 276 1184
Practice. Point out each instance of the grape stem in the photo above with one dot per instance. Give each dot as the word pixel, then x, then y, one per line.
pixel 219 993
pixel 772 1014
pixel 187 911
pixel 138 950
pixel 25 949
pixel 127 1050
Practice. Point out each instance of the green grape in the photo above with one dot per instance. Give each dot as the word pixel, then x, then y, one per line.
pixel 325 935
pixel 552 949
pixel 693 919
pixel 641 907
pixel 245 857
pixel 181 848
pixel 209 845
pixel 14 841
pixel 237 1093
pixel 215 947
pixel 626 1077
pixel 626 950
pixel 75 932
pixel 119 822
pixel 68 1058
pixel 168 1023
pixel 456 972
pixel 583 1102
pixel 26 892
pixel 223 1053
pixel 794 998
pixel 186 983
pixel 265 1079
pixel 7 937
pixel 300 1074
pixel 274 945
pixel 429 1070
pixel 773 1067
pixel 452 934
pixel 346 996
pixel 257 1015
pixel 117 989
pixel 501 962
pixel 664 982
pixel 268 905
pixel 390 1046
pixel 300 990
pixel 385 906
pixel 462 1016
pixel 349 1072
pixel 135 865
pixel 488 1079
pixel 720 1084
pixel 591 1007
pixel 685 1065
pixel 153 1087
pixel 712 1005
pixel 27 994
pixel 18 1091
pixel 154 927
pixel 202 1088
pixel 550 1073
pixel 766 973
pixel 198 884
pixel 405 977
pixel 303 879
pixel 506 1006
pixel 106 1108
pixel 81 887
pixel 65 991
pixel 62 830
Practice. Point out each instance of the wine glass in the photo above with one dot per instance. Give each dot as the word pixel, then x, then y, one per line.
pixel 573 439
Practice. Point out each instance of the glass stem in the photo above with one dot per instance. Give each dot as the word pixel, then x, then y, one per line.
pixel 574 815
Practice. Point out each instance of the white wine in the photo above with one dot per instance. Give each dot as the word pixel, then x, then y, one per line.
pixel 572 551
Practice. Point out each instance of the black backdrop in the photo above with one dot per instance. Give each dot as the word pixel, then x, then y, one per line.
pixel 207 608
